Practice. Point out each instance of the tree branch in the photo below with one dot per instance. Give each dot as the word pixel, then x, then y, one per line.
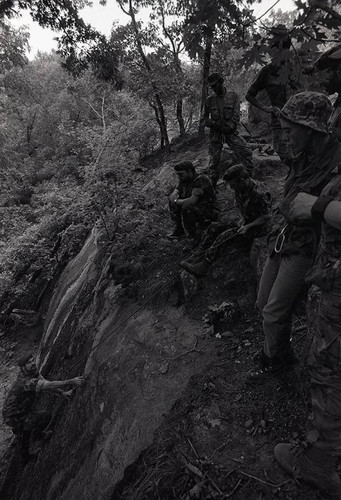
pixel 329 10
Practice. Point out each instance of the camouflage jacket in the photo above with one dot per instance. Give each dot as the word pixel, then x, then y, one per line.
pixel 202 187
pixel 224 113
pixel 308 175
pixel 331 237
pixel 326 273
pixel 20 399
pixel 254 203
pixel 335 119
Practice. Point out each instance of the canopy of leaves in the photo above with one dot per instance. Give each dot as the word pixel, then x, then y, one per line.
pixel 80 45
pixel 204 17
pixel 13 46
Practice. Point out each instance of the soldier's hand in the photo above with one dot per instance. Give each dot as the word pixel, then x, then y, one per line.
pixel 173 198
pixel 275 111
pixel 242 230
pixel 78 381
pixel 300 208
pixel 67 394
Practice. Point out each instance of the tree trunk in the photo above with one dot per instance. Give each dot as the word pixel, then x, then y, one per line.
pixel 205 73
pixel 161 112
pixel 180 117
pixel 157 116
pixel 162 122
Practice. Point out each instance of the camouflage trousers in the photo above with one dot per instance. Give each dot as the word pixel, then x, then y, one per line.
pixel 324 423
pixel 282 281
pixel 192 218
pixel 239 147
pixel 218 235
pixel 281 144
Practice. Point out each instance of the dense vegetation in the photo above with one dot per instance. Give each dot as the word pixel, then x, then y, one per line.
pixel 76 124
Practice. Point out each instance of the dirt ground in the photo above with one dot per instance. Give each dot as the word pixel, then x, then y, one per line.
pixel 217 442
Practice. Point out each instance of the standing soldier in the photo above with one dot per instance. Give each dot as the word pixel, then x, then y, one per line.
pixel 328 70
pixel 305 119
pixel 222 115
pixel 316 464
pixel 277 79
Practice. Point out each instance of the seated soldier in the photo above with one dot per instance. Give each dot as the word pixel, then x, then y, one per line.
pixel 193 204
pixel 28 424
pixel 253 203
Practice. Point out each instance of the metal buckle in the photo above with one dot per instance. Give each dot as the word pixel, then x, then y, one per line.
pixel 280 240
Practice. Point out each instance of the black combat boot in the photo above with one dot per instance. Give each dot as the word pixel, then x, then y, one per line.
pixel 199 268
pixel 312 465
pixel 268 367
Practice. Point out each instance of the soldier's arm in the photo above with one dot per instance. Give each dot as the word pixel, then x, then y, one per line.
pixel 174 195
pixel 256 223
pixel 337 128
pixel 197 191
pixel 56 385
pixel 258 104
pixel 236 112
pixel 192 200
pixel 205 115
pixel 303 203
pixel 251 95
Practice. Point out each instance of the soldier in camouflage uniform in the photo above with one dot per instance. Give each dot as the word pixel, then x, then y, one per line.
pixel 253 202
pixel 193 204
pixel 279 81
pixel 328 70
pixel 305 119
pixel 222 115
pixel 18 412
pixel 316 464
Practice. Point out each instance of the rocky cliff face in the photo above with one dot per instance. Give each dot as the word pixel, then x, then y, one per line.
pixel 133 358
pixel 138 352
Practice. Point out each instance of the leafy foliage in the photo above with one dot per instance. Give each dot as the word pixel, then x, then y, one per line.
pixel 68 149
pixel 13 45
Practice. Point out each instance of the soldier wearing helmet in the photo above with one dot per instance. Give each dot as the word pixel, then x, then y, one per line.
pixel 328 71
pixel 278 80
pixel 292 247
pixel 222 115
pixel 316 464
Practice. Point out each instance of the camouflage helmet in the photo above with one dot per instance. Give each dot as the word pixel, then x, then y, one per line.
pixel 235 172
pixel 311 109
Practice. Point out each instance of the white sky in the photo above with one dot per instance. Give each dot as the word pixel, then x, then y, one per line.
pixel 102 18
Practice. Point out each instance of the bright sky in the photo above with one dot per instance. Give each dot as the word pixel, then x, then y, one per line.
pixel 102 18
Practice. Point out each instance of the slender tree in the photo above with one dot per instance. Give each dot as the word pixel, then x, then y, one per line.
pixel 129 8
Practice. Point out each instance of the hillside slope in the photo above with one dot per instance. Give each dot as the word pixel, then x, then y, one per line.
pixel 164 412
